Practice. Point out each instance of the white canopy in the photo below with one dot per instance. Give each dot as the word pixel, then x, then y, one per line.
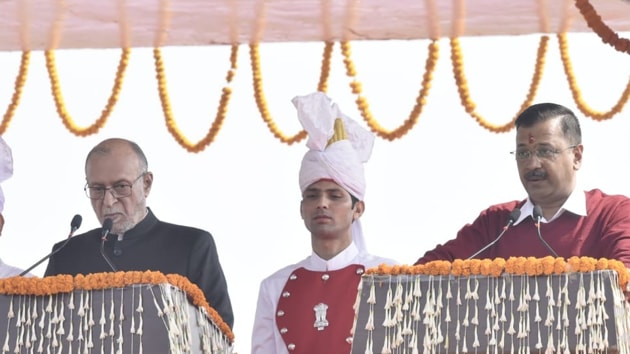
pixel 37 25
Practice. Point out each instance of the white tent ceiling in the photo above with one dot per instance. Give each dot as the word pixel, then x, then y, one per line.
pixel 59 24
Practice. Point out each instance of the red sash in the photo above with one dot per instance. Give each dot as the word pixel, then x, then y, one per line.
pixel 315 311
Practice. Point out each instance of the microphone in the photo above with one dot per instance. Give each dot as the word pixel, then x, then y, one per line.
pixel 537 214
pixel 514 215
pixel 74 226
pixel 107 226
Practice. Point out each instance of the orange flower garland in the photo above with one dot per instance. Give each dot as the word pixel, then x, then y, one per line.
pixel 322 86
pixel 594 21
pixel 575 90
pixel 66 283
pixel 67 120
pixel 364 107
pixel 530 266
pixel 171 125
pixel 17 91
pixel 259 95
pixel 464 94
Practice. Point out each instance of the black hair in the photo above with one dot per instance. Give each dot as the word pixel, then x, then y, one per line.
pixel 543 112
pixel 354 199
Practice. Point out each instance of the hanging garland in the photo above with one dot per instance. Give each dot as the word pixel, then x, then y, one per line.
pixel 67 120
pixel 171 125
pixel 575 90
pixel 259 95
pixel 64 283
pixel 363 105
pixel 594 21
pixel 464 94
pixel 20 79
pixel 496 267
pixel 322 85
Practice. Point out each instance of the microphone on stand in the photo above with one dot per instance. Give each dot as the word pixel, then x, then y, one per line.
pixel 74 226
pixel 107 226
pixel 514 215
pixel 537 217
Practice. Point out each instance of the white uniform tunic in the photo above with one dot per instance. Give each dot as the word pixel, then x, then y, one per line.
pixel 266 336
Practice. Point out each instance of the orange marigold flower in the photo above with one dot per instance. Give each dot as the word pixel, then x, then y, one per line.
pixel 417 269
pixel 370 271
pixel 457 267
pixel 602 263
pixel 444 268
pixel 533 266
pixel 384 268
pixel 466 268
pixel 405 269
pixel 587 264
pixel 516 265
pixel 475 264
pixel 547 264
pixel 497 267
pixel 485 267
pixel 560 266
pixel 574 264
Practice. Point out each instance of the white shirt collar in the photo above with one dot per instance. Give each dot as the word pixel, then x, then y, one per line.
pixel 341 260
pixel 576 204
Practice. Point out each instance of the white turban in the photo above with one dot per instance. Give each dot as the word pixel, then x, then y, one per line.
pixel 6 167
pixel 341 161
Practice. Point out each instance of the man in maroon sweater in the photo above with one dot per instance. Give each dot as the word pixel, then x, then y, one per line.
pixel 556 218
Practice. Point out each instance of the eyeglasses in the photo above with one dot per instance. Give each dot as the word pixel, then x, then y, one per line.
pixel 118 190
pixel 542 153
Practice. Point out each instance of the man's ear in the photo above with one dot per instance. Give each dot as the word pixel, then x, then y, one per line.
pixel 577 156
pixel 359 208
pixel 147 183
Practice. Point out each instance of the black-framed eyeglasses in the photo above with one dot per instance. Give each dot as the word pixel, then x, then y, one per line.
pixel 542 153
pixel 118 190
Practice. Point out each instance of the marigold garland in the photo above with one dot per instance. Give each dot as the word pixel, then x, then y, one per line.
pixel 219 118
pixel 20 79
pixel 456 58
pixel 594 21
pixel 259 95
pixel 563 44
pixel 457 61
pixel 530 266
pixel 67 120
pixel 96 281
pixel 322 85
pixel 363 105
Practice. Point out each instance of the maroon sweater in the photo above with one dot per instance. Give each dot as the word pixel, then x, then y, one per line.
pixel 603 233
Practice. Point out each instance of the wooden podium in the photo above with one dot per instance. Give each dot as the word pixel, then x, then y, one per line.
pixel 63 314
pixel 580 312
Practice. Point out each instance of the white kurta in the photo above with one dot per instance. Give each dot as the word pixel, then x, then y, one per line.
pixel 7 271
pixel 266 339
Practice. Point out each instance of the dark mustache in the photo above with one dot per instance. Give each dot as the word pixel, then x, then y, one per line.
pixel 537 173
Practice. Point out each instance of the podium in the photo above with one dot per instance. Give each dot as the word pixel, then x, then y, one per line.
pixel 124 312
pixel 573 312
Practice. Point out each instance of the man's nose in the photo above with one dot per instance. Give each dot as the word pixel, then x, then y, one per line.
pixel 108 197
pixel 533 160
pixel 322 202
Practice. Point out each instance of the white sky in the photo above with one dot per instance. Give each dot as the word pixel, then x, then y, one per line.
pixel 244 187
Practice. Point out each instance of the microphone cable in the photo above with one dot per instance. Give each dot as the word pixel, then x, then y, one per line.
pixel 514 215
pixel 74 226
pixel 537 217
pixel 107 226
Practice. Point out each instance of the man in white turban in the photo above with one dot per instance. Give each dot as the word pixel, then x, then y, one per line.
pixel 308 307
pixel 6 171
